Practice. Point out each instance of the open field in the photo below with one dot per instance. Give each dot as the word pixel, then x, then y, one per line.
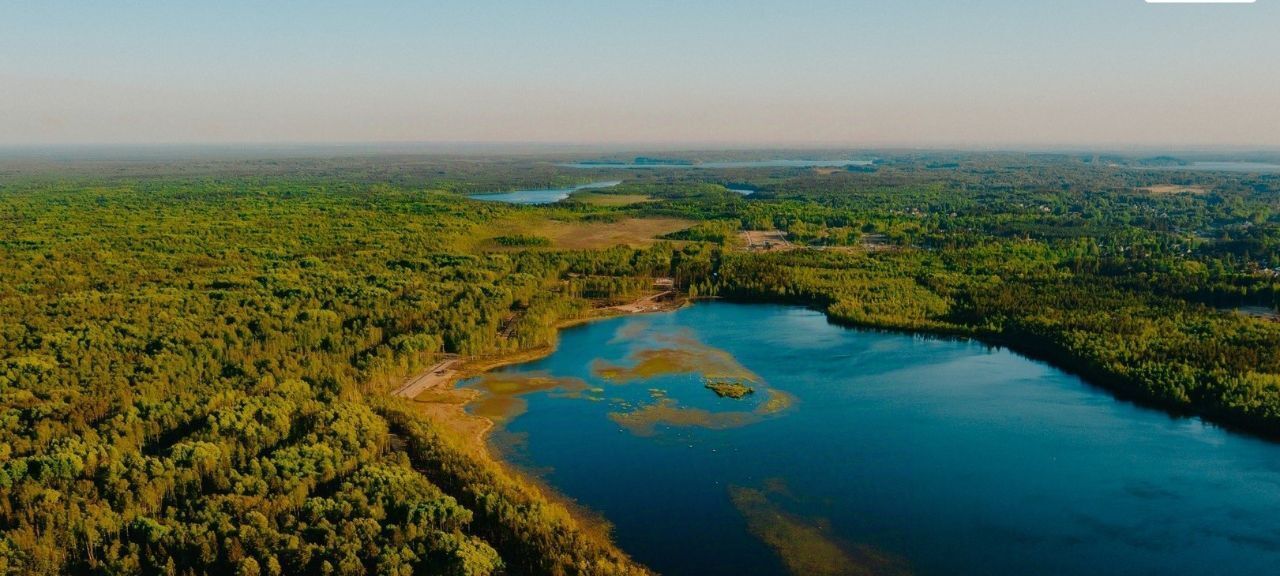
pixel 632 232
pixel 605 199
pixel 1174 189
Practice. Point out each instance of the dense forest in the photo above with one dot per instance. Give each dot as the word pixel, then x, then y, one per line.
pixel 195 357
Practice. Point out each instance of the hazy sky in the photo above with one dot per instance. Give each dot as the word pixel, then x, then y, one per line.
pixel 840 72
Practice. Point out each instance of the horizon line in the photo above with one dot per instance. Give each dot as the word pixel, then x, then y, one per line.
pixel 669 146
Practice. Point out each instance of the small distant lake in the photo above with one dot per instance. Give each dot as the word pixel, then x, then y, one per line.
pixel 742 191
pixel 1248 167
pixel 863 452
pixel 541 196
pixel 715 165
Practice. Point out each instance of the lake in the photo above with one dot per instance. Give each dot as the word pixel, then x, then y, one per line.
pixel 541 196
pixel 870 452
pixel 721 165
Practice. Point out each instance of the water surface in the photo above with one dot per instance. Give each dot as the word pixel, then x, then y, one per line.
pixel 891 453
pixel 542 196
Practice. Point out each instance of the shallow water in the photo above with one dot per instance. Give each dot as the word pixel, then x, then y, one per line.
pixel 541 196
pixel 890 454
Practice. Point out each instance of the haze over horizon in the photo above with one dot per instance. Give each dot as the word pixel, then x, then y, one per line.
pixel 987 73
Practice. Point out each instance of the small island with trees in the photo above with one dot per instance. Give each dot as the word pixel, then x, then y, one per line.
pixel 729 388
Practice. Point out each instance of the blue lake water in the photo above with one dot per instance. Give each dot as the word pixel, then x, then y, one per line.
pixel 721 165
pixel 542 196
pixel 924 455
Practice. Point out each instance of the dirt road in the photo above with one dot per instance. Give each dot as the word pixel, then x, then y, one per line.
pixel 647 304
pixel 442 372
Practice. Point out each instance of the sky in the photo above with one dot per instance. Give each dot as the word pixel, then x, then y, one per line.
pixel 943 73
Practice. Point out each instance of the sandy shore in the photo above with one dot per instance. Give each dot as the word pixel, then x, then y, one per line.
pixel 433 393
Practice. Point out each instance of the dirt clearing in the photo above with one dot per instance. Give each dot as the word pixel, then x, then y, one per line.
pixel 1175 189
pixel 603 199
pixel 766 241
pixel 633 232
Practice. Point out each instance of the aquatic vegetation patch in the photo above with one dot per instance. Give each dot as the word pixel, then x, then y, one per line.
pixel 683 354
pixel 729 389
pixel 644 420
pixel 777 401
pixel 649 363
pixel 630 330
pixel 513 384
pixel 510 446
pixel 804 544
pixel 501 394
pixel 501 400
pixel 499 409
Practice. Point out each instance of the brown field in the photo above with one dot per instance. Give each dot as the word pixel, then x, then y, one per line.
pixel 1175 189
pixel 634 232
pixel 599 199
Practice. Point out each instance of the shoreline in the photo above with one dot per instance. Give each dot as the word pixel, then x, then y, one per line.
pixel 434 391
pixel 1117 386
pixel 446 404
pixel 440 400
pixel 1114 385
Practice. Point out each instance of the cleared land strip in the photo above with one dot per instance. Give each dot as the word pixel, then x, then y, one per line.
pixel 766 240
pixel 443 371
pixel 652 303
